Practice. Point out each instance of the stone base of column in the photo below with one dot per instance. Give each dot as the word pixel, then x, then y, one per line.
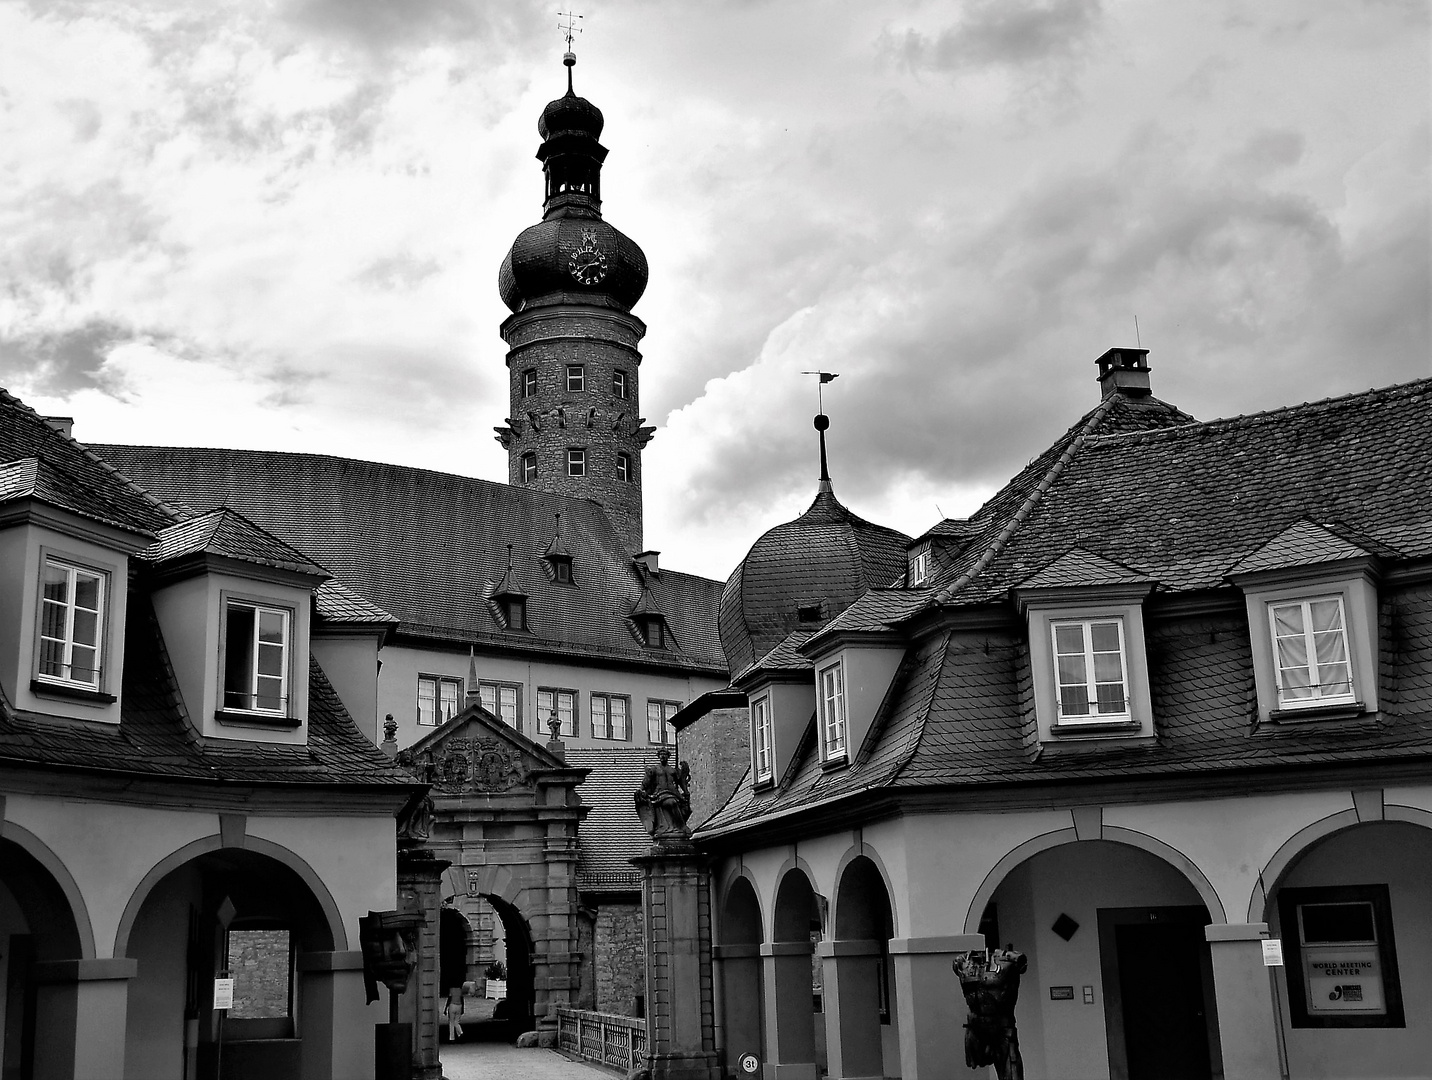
pixel 700 1066
pixel 419 893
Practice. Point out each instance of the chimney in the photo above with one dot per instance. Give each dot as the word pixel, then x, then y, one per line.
pixel 648 559
pixel 65 425
pixel 1124 371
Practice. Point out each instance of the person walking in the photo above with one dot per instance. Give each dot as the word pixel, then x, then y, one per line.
pixel 453 1010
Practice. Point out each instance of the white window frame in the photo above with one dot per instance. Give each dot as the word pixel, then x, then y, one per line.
pixel 624 467
pixel 658 721
pixel 830 697
pixel 529 382
pixel 1317 697
pixel 576 461
pixel 529 467
pixel 920 565
pixel 73 571
pixel 259 608
pixel 438 683
pixel 603 713
pixel 495 691
pixel 761 755
pixel 1091 683
pixel 621 387
pixel 563 702
pixel 576 378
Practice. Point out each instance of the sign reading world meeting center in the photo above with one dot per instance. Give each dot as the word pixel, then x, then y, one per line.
pixel 1344 979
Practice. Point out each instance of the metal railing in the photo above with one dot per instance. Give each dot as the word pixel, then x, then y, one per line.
pixel 605 1038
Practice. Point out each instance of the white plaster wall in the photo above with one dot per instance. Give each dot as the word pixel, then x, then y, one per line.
pixel 398 689
pixel 351 663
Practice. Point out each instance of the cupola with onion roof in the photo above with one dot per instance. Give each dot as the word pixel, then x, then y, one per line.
pixel 801 575
pixel 575 426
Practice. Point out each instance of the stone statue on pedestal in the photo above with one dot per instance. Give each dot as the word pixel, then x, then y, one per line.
pixel 990 981
pixel 663 802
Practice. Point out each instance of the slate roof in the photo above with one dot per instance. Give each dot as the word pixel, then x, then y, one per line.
pixel 155 740
pixel 38 462
pixel 611 834
pixel 1118 499
pixel 336 603
pixel 431 547
pixel 828 555
pixel 228 533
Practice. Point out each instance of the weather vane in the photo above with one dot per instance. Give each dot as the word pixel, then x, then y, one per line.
pixel 569 27
pixel 825 377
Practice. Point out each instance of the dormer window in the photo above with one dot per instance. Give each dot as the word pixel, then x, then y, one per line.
pixel 830 700
pixel 810 611
pixel 1089 670
pixel 576 378
pixel 514 610
pixel 1310 652
pixel 71 625
pixel 256 658
pixel 562 570
pixel 761 739
pixel 654 631
pixel 920 565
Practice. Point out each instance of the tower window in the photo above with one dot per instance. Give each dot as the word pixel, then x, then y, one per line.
pixel 624 468
pixel 619 384
pixel 576 378
pixel 576 462
pixel 529 467
pixel 529 382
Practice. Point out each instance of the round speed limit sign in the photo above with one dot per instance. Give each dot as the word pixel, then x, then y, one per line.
pixel 750 1063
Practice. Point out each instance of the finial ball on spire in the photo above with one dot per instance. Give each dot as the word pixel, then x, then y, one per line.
pixel 569 58
pixel 822 422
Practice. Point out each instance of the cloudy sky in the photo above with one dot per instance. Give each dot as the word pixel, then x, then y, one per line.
pixel 278 225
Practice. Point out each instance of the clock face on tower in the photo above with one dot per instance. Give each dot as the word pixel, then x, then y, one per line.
pixel 587 264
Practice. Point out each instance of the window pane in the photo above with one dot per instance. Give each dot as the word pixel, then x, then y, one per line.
pixel 52 658
pixel 1069 640
pixel 1105 636
pixel 1111 698
pixel 1071 670
pixel 427 701
pixel 82 665
pixel 1108 668
pixel 448 691
pixel 1288 620
pixel 86 591
pixel 619 718
pixel 86 628
pixel 52 620
pixel 1338 922
pixel 238 656
pixel 271 626
pixel 270 694
pixel 270 660
pixel 567 713
pixel 1074 700
pixel 1326 614
pixel 55 583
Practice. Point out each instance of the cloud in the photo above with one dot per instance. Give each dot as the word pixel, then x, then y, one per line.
pixel 62 362
pixel 383 25
pixel 1014 33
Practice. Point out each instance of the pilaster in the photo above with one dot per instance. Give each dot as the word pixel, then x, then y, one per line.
pixel 1247 1023
pixel 420 893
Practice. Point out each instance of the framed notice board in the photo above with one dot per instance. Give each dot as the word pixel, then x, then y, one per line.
pixel 1341 957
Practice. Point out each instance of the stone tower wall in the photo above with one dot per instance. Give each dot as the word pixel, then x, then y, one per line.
pixel 554 419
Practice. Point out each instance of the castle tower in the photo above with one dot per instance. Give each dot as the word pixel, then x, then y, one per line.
pixel 574 426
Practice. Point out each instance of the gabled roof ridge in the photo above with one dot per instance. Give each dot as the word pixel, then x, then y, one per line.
pixel 1228 423
pixel 1030 502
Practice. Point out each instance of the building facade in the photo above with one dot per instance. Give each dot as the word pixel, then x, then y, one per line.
pixel 183 793
pixel 1159 716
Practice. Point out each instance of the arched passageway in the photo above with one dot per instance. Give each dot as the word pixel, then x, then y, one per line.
pixel 738 958
pixel 37 924
pixel 521 988
pixel 793 981
pixel 227 910
pixel 862 1035
pixel 454 949
pixel 1354 912
pixel 1118 934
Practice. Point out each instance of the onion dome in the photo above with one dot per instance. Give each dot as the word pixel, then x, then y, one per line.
pixel 572 254
pixel 801 575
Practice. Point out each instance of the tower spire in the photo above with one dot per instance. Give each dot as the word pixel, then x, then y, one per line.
pixel 822 422
pixel 569 58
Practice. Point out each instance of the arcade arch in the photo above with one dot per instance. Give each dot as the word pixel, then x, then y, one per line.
pixel 793 981
pixel 737 953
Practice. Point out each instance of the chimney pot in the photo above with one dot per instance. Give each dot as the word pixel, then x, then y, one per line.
pixel 1124 371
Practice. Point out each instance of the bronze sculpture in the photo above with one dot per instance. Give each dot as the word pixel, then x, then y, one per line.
pixel 990 981
pixel 663 802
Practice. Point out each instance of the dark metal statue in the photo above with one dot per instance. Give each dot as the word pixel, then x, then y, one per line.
pixel 990 981
pixel 663 802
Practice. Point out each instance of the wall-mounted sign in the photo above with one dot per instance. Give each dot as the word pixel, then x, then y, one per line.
pixel 1346 979
pixel 223 993
pixel 750 1063
pixel 1272 952
pixel 1061 993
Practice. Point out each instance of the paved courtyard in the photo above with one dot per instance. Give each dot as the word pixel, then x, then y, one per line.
pixel 500 1061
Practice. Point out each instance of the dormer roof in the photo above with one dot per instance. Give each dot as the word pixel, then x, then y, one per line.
pixel 228 534
pixel 1303 543
pixel 1079 568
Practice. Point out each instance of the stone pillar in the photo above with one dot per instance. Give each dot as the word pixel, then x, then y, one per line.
pixel 81 1009
pixel 1247 1023
pixel 680 1010
pixel 420 893
pixel 738 975
pixel 851 971
pixel 790 1013
pixel 931 1006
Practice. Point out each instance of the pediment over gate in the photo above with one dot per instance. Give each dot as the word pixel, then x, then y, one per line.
pixel 475 753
